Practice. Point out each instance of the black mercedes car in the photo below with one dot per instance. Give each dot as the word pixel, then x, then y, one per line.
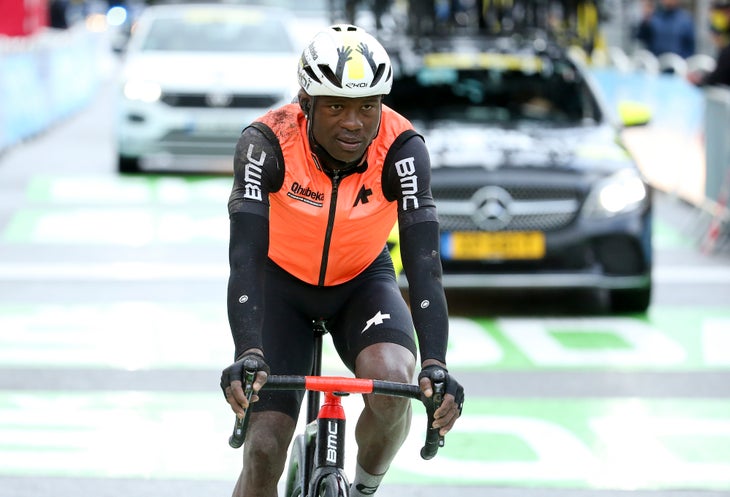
pixel 533 186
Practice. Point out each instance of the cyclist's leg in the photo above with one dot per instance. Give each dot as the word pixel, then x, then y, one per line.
pixel 264 453
pixel 385 421
pixel 288 346
pixel 375 338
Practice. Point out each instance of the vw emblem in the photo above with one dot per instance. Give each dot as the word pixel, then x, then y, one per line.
pixel 491 208
pixel 219 99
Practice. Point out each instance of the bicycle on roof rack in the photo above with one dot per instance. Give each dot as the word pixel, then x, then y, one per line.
pixel 317 458
pixel 565 22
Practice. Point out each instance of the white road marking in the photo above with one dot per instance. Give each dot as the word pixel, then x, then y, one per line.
pixel 165 271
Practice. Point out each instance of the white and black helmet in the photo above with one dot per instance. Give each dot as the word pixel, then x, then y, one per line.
pixel 345 61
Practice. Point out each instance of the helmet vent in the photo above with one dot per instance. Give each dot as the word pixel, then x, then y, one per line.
pixel 330 75
pixel 348 27
pixel 378 74
pixel 310 73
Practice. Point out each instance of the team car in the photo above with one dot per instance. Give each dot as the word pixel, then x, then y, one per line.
pixel 194 75
pixel 533 185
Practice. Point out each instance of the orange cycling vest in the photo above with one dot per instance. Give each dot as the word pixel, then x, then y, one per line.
pixel 322 229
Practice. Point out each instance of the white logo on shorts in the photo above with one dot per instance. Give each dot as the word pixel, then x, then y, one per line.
pixel 375 320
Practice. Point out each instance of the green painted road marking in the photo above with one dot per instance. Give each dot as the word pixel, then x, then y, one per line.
pixel 131 226
pixel 108 336
pixel 584 443
pixel 137 224
pixel 125 335
pixel 618 443
pixel 130 336
pixel 144 435
pixel 667 236
pixel 132 190
pixel 138 210
pixel 666 338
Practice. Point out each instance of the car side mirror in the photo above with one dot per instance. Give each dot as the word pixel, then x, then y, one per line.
pixel 634 114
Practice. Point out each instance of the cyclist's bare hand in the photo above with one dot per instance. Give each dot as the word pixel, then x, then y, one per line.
pixel 453 400
pixel 233 378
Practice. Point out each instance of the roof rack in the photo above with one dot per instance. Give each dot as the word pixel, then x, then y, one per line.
pixel 562 22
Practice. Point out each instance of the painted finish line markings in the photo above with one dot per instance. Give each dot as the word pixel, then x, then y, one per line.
pixel 128 190
pixel 138 224
pixel 146 209
pixel 49 335
pixel 218 270
pixel 619 443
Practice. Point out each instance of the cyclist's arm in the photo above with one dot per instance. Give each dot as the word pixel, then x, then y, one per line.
pixel 258 170
pixel 419 245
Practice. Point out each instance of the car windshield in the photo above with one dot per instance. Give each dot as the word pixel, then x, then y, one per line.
pixel 216 32
pixel 545 91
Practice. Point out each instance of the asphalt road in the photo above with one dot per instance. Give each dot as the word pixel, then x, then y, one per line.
pixel 113 333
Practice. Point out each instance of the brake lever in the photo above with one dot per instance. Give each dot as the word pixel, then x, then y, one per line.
pixel 241 424
pixel 434 439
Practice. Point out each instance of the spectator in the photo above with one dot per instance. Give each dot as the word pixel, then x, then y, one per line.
pixel 667 29
pixel 720 29
pixel 57 14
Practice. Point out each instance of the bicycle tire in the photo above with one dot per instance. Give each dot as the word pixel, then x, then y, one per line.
pixel 332 485
pixel 296 477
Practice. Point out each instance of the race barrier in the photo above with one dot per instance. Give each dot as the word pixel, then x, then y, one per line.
pixel 46 77
pixel 685 149
pixel 717 134
pixel 717 185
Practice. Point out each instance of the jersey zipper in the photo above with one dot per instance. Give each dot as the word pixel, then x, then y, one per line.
pixel 330 225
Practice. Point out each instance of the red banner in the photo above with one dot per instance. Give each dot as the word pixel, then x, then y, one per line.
pixel 22 17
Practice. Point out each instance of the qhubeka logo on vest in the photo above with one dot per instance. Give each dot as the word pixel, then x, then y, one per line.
pixel 306 195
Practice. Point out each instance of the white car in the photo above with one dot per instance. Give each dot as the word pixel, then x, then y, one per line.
pixel 193 77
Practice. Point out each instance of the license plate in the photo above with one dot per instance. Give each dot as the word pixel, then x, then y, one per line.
pixel 476 245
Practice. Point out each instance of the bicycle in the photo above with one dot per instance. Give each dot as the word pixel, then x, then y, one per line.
pixel 317 459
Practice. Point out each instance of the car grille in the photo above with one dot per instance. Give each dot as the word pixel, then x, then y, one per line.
pixel 198 100
pixel 518 208
pixel 183 143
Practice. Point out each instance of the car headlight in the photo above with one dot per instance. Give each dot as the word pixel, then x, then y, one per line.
pixel 146 91
pixel 621 192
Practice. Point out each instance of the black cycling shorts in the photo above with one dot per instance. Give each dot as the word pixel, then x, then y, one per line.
pixel 366 310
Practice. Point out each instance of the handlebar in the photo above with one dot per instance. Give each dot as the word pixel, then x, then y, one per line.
pixel 343 385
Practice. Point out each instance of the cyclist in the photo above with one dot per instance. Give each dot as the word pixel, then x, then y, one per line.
pixel 318 185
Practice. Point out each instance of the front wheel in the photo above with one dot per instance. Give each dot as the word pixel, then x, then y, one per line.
pixel 333 485
pixel 296 475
